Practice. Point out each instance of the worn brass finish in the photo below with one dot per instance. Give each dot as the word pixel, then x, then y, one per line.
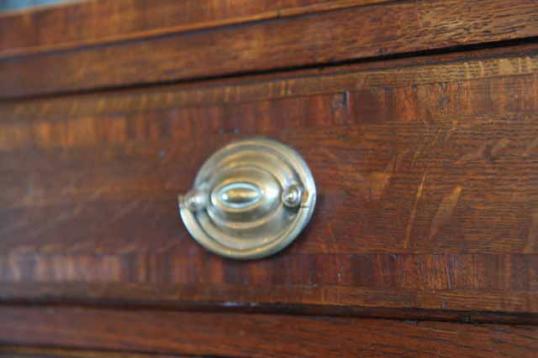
pixel 250 199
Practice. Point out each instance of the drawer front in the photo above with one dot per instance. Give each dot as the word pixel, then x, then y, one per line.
pixel 127 43
pixel 136 333
pixel 417 119
pixel 426 168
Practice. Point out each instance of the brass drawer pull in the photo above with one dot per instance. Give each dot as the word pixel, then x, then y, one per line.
pixel 250 199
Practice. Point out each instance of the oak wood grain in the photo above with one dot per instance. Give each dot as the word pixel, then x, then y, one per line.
pixel 427 172
pixel 257 335
pixel 101 21
pixel 339 35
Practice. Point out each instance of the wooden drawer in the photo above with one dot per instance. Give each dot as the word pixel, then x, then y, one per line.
pixel 426 165
pixel 426 172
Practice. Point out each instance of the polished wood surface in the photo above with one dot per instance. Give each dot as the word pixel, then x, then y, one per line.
pixel 104 21
pixel 427 177
pixel 419 120
pixel 340 35
pixel 258 335
pixel 9 351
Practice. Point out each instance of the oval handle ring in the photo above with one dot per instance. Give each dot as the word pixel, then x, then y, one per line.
pixel 250 199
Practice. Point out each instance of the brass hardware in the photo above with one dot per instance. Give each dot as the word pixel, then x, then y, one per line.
pixel 250 199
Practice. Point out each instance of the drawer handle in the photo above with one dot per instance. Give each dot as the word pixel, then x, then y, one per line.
pixel 250 199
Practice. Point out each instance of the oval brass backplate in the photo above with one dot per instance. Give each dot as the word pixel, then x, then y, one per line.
pixel 250 199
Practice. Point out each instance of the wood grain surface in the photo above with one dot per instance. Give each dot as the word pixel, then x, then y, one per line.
pixel 311 39
pixel 102 21
pixel 256 335
pixel 427 171
pixel 47 352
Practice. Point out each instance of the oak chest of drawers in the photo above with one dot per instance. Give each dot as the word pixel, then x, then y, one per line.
pixel 417 119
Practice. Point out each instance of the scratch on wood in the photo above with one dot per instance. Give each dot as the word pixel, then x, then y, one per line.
pixel 533 234
pixel 487 151
pixel 445 211
pixel 498 147
pixel 378 181
pixel 413 214
pixel 476 155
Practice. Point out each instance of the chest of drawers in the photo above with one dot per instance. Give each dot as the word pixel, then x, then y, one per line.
pixel 418 120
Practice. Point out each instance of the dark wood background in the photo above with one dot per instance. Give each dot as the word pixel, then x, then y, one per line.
pixel 418 119
pixel 260 39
